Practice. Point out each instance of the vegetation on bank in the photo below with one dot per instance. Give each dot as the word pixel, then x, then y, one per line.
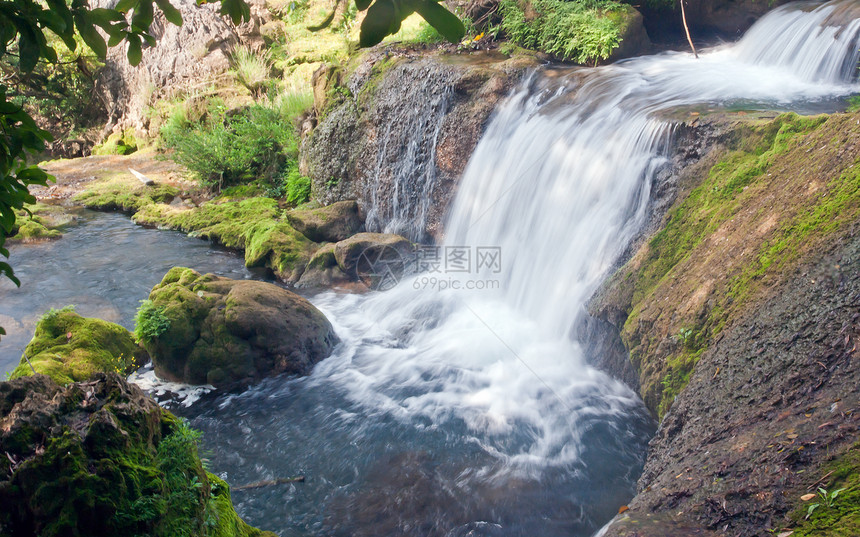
pixel 255 225
pixel 836 516
pixel 584 32
pixel 780 190
pixel 102 459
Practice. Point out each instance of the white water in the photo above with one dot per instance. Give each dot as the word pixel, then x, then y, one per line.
pixel 560 183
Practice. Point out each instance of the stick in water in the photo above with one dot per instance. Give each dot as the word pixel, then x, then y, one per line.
pixel 269 483
pixel 686 29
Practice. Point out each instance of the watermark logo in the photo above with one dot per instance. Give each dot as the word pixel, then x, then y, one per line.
pixel 381 267
pixel 435 267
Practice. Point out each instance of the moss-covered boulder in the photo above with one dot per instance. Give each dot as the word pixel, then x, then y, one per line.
pixel 231 332
pixel 70 348
pixel 100 458
pixel 331 223
pixel 323 270
pixel 585 33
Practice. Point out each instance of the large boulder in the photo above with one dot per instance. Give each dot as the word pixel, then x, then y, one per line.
pixel 100 458
pixel 331 223
pixel 231 332
pixel 363 261
pixel 69 348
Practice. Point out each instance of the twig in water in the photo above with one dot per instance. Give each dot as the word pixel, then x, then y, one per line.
pixel 686 29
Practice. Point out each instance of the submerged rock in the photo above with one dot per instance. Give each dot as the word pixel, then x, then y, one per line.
pixel 69 348
pixel 232 332
pixel 100 458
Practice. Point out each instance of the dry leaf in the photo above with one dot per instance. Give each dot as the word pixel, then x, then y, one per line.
pixel 807 497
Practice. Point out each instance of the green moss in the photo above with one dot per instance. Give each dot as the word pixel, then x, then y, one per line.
pixel 115 196
pixel 69 348
pixel 34 228
pixel 254 225
pixel 842 518
pixel 225 521
pixel 718 198
pixel 731 185
pixel 39 222
pixel 583 32
pixel 119 143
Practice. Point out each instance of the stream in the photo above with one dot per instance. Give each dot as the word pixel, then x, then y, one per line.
pixel 459 401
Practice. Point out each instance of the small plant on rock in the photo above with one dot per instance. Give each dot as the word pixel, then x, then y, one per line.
pixel 827 500
pixel 150 321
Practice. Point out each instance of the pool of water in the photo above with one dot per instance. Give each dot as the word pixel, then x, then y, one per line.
pixel 104 266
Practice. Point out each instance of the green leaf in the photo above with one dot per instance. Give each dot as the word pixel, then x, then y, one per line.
pixel 379 19
pixel 445 22
pixel 61 9
pixel 124 6
pixel 90 35
pixel 170 13
pixel 6 268
pixel 134 53
pixel 28 49
pixel 143 14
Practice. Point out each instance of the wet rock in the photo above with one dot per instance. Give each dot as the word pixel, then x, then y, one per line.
pixel 83 459
pixel 361 252
pixel 69 348
pixel 331 223
pixel 232 332
pixel 398 131
pixel 323 270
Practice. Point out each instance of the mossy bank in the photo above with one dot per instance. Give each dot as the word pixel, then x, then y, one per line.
pixel 100 458
pixel 740 318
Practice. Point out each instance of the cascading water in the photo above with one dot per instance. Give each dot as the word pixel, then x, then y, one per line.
pixel 472 410
pixel 398 195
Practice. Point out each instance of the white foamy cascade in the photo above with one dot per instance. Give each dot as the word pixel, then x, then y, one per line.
pixel 560 183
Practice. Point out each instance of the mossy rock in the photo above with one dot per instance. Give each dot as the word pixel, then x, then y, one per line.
pixel 119 197
pixel 70 348
pixel 323 270
pixel 253 225
pixel 33 229
pixel 332 223
pixel 102 459
pixel 232 332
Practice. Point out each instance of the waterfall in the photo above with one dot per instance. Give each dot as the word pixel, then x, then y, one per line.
pixel 558 186
pixel 459 400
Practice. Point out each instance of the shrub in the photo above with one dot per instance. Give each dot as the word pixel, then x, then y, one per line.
pixel 230 148
pixel 580 31
pixel 150 321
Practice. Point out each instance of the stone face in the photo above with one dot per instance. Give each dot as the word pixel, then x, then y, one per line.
pixel 323 270
pixel 183 56
pixel 399 142
pixel 332 223
pixel 81 460
pixel 232 332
